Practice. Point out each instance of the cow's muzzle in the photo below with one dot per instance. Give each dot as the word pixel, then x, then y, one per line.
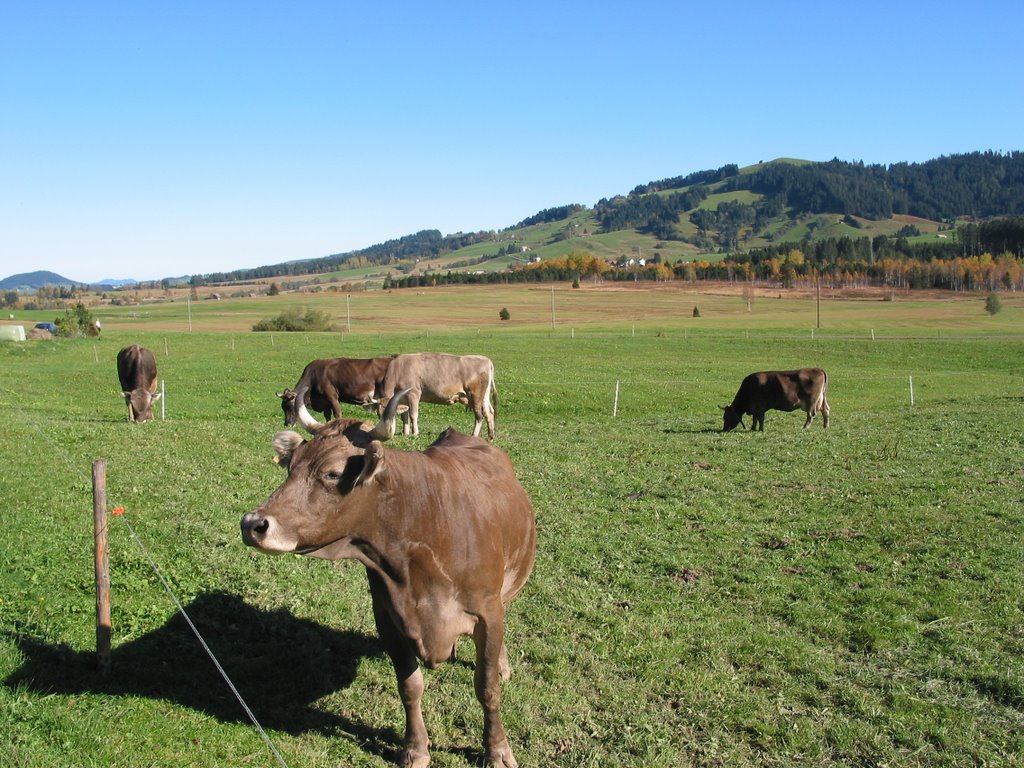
pixel 254 529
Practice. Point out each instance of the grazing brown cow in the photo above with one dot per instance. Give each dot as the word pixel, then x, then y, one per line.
pixel 433 377
pixel 781 391
pixel 326 384
pixel 447 536
pixel 136 370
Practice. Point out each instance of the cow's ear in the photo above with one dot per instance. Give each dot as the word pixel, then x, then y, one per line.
pixel 373 462
pixel 285 444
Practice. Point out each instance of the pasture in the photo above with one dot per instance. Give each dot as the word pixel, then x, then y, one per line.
pixel 849 597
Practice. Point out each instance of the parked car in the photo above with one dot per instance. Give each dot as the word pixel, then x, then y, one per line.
pixel 47 327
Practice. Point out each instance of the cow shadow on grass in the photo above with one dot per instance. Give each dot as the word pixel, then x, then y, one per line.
pixel 280 664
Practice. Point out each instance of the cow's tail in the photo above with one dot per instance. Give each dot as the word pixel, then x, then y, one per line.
pixel 492 388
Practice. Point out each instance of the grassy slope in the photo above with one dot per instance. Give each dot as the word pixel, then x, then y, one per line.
pixel 847 597
pixel 616 245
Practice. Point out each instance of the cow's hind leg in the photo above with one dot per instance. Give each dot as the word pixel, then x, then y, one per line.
pixel 416 751
pixel 825 412
pixel 478 419
pixel 488 413
pixel 411 418
pixel 491 666
pixel 482 412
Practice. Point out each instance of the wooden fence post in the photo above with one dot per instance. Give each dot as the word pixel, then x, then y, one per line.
pixel 102 559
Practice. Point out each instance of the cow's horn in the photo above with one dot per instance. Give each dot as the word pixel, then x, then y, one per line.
pixel 306 419
pixel 385 428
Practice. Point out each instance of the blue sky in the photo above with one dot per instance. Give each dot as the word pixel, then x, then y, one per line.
pixel 148 140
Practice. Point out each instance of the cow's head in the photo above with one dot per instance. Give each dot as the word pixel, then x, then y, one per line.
pixel 140 404
pixel 320 502
pixel 731 418
pixel 291 415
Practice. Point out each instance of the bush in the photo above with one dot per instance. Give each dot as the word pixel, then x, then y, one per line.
pixel 993 304
pixel 297 320
pixel 504 314
pixel 77 322
pixel 696 312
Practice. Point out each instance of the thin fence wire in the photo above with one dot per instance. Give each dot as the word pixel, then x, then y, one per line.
pixel 63 455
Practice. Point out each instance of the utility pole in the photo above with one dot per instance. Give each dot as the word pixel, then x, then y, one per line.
pixel 817 294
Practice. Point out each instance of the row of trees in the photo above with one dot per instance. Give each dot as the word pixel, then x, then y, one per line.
pixel 560 213
pixel 426 244
pixel 678 182
pixel 848 266
pixel 973 273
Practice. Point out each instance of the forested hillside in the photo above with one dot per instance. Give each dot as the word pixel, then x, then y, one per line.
pixel 727 212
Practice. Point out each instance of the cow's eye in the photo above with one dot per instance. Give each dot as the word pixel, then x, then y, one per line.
pixel 333 476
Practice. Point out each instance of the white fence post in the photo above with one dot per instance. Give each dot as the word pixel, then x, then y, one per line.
pixel 615 407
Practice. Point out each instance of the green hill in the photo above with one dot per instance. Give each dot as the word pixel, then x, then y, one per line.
pixel 707 215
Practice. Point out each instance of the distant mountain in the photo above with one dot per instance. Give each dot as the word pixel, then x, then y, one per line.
pixel 35 280
pixel 115 283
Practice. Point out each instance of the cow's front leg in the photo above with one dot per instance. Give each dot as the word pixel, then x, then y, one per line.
pixel 407 415
pixel 488 635
pixel 335 406
pixel 416 751
pixel 414 415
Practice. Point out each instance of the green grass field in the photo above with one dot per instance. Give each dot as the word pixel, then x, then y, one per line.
pixel 846 597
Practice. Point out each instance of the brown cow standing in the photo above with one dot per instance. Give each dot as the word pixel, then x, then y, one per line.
pixel 447 536
pixel 432 377
pixel 326 384
pixel 781 391
pixel 136 370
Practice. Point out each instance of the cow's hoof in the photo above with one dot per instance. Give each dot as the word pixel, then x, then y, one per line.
pixel 414 759
pixel 501 757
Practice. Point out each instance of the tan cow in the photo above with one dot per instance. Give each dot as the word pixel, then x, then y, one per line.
pixel 433 377
pixel 447 536
pixel 781 391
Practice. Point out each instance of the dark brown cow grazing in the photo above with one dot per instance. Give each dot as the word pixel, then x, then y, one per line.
pixel 326 384
pixel 136 370
pixel 780 391
pixel 443 379
pixel 447 536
